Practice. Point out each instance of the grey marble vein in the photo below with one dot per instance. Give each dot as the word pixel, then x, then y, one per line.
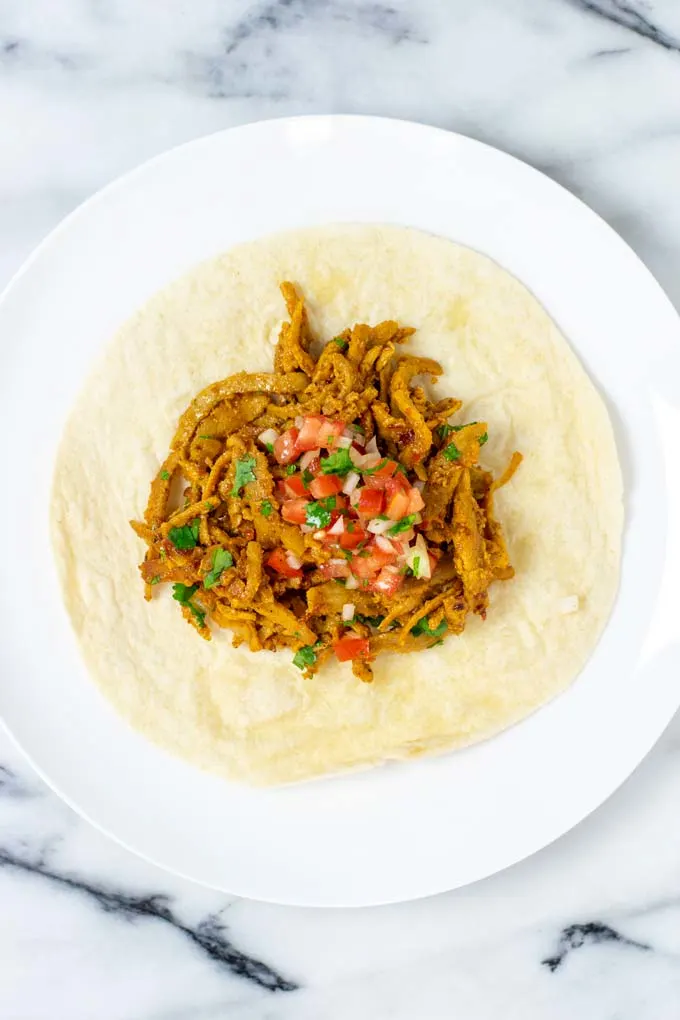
pixel 575 936
pixel 209 935
pixel 633 17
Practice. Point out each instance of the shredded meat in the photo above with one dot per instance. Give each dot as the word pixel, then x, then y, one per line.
pixel 378 534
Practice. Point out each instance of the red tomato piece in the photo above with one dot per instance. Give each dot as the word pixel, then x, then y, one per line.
pixel 371 502
pixel 397 506
pixel 294 486
pixel 295 511
pixel 308 438
pixel 335 568
pixel 285 447
pixel 416 503
pixel 352 536
pixel 325 485
pixel 399 483
pixel 351 647
pixel 278 561
pixel 387 581
pixel 367 563
pixel 329 432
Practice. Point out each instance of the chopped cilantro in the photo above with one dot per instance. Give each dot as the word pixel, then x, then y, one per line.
pixel 266 508
pixel 319 513
pixel 445 430
pixel 341 342
pixel 416 566
pixel 403 525
pixel 269 447
pixel 165 475
pixel 222 559
pixel 183 594
pixel 423 627
pixel 186 537
pixel 304 657
pixel 155 580
pixel 484 438
pixel 244 473
pixel 163 553
pixel 378 467
pixel 372 621
pixel 291 469
pixel 347 553
pixel 382 517
pixel 435 643
pixel 400 467
pixel 207 437
pixel 338 463
pixel 451 452
pixel 307 478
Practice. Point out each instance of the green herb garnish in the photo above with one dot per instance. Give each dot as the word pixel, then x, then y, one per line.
pixel 266 508
pixel 372 621
pixel 445 430
pixel 245 472
pixel 451 452
pixel 319 514
pixel 416 565
pixel 269 447
pixel 222 559
pixel 291 469
pixel 186 537
pixel 307 478
pixel 403 525
pixel 423 627
pixel 207 437
pixel 155 580
pixel 341 342
pixel 165 475
pixel 338 463
pixel 484 438
pixel 304 657
pixel 183 594
pixel 372 471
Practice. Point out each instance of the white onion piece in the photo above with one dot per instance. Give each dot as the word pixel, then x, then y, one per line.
pixel 384 544
pixel 351 482
pixel 338 527
pixel 371 460
pixel 352 582
pixel 378 527
pixel 293 561
pixel 343 441
pixel 319 535
pixel 306 529
pixel 348 611
pixel 269 436
pixel 353 432
pixel 419 551
pixel 354 497
pixel 299 422
pixel 355 456
pixel 307 458
pixel 372 446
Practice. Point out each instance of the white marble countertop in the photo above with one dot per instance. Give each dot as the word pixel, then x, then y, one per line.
pixel 588 91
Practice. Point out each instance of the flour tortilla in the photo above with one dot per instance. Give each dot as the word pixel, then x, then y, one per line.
pixel 254 716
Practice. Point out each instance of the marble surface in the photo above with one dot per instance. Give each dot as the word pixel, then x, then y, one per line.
pixel 588 91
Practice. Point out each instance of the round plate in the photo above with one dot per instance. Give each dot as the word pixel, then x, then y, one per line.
pixel 406 830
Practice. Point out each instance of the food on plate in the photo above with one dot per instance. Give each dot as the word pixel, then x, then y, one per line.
pixel 262 717
pixel 330 507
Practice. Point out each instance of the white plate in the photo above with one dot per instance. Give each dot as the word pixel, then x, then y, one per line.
pixel 406 830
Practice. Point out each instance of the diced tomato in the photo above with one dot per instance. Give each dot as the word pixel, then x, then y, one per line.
pixel 294 486
pixel 329 432
pixel 382 477
pixel 367 563
pixel 350 647
pixel 335 568
pixel 415 501
pixel 308 438
pixel 387 581
pixel 397 506
pixel 278 561
pixel 399 483
pixel 325 485
pixel 371 502
pixel 314 465
pixel 295 511
pixel 285 447
pixel 352 536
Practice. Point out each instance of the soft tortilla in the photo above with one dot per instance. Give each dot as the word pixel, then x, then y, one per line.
pixel 254 716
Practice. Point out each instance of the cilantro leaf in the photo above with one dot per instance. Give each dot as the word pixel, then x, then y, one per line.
pixel 372 471
pixel 291 469
pixel 266 508
pixel 423 627
pixel 304 657
pixel 451 452
pixel 155 580
pixel 403 525
pixel 269 447
pixel 341 342
pixel 338 463
pixel 307 478
pixel 484 438
pixel 186 537
pixel 319 514
pixel 165 475
pixel 445 430
pixel 222 559
pixel 416 566
pixel 244 473
pixel 372 621
pixel 182 592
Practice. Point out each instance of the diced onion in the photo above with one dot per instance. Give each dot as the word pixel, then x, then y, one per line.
pixel 378 527
pixel 419 485
pixel 372 446
pixel 293 561
pixel 343 441
pixel 384 544
pixel 338 527
pixel 371 460
pixel 354 497
pixel 351 482
pixel 353 432
pixel 268 437
pixel 299 422
pixel 569 604
pixel 307 458
pixel 348 611
pixel 355 456
pixel 352 582
pixel 319 535
pixel 306 529
pixel 419 551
